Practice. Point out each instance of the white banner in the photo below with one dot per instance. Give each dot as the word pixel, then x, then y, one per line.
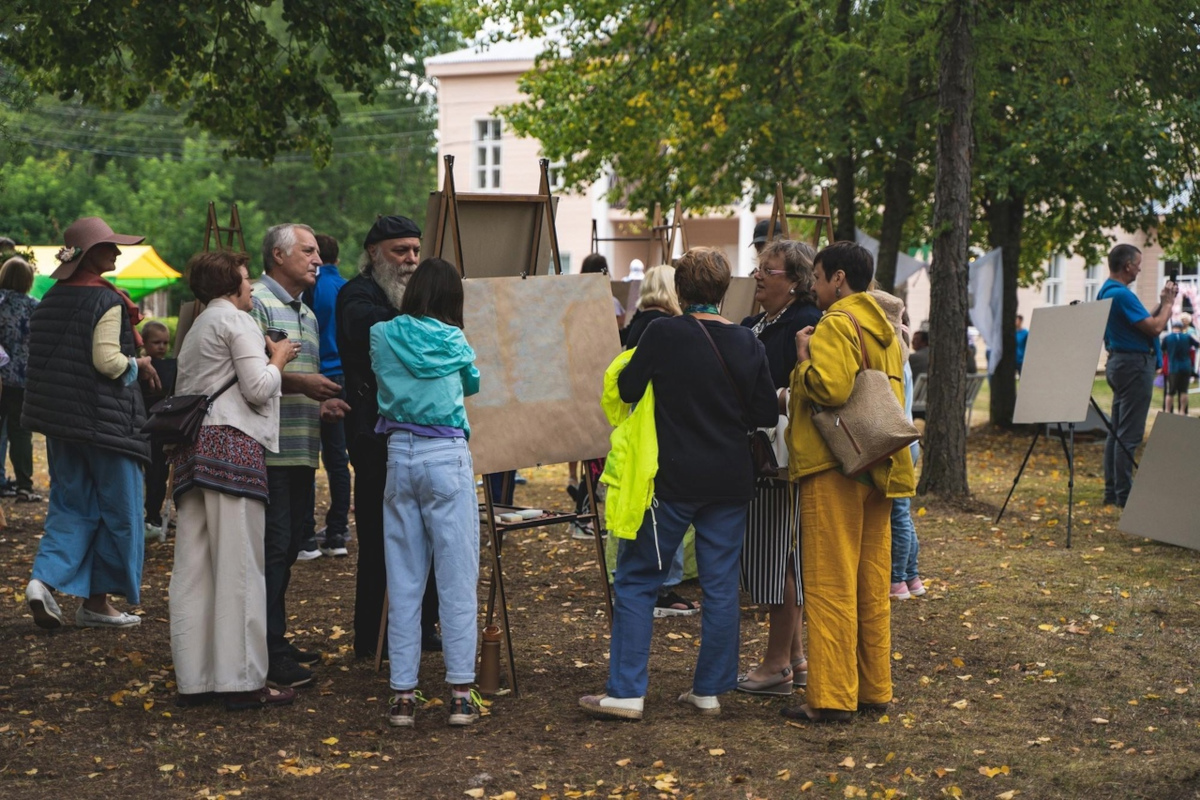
pixel 986 290
pixel 906 265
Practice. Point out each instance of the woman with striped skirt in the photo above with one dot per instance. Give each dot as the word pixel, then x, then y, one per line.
pixel 771 553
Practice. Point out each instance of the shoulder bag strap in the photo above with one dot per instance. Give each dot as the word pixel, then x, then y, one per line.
pixel 213 397
pixel 862 342
pixel 737 390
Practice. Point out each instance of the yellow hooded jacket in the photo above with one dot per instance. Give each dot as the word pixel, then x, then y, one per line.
pixel 633 461
pixel 827 378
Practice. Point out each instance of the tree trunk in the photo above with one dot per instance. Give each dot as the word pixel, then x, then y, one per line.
pixel 897 188
pixel 843 216
pixel 945 471
pixel 1005 218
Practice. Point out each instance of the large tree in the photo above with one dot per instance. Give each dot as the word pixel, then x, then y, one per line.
pixel 261 74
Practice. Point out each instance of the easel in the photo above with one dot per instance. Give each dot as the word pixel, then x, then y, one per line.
pixel 447 217
pixel 661 233
pixel 1069 452
pixel 543 202
pixel 780 216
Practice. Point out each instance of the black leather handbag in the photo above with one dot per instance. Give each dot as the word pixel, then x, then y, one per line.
pixel 177 419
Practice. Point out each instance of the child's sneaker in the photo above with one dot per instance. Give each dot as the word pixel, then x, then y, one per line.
pixel 900 591
pixel 463 711
pixel 916 588
pixel 155 533
pixel 403 712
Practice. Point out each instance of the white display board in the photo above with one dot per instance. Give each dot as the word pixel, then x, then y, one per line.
pixel 1164 503
pixel 1060 363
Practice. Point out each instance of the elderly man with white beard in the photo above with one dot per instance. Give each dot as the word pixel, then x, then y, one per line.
pixel 390 255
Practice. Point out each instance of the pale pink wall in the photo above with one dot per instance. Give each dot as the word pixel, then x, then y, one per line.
pixel 465 95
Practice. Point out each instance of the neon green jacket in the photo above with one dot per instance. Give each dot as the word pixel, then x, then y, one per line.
pixel 633 461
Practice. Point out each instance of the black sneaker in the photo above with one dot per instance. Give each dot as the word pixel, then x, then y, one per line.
pixel 334 546
pixel 285 673
pixel 305 657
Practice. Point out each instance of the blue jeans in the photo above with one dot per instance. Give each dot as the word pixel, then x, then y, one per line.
pixel 719 532
pixel 1131 376
pixel 94 538
pixel 430 512
pixel 337 467
pixel 904 541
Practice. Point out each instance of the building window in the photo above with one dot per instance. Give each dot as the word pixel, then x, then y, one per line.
pixel 487 153
pixel 1093 279
pixel 1054 281
pixel 556 175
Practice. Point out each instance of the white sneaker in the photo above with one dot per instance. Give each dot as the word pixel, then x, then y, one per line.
pixel 706 704
pixel 90 619
pixel 339 550
pixel 607 707
pixel 46 613
pixel 155 533
pixel 308 555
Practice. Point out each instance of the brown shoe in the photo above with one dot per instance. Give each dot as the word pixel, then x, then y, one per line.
pixel 805 714
pixel 266 696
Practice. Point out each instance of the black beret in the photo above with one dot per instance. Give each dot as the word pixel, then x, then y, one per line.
pixel 392 227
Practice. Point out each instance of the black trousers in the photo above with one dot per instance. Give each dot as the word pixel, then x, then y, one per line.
pixel 291 495
pixel 368 454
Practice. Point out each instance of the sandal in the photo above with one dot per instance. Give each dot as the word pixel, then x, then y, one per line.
pixel 266 696
pixel 800 676
pixel 805 714
pixel 28 496
pixel 672 605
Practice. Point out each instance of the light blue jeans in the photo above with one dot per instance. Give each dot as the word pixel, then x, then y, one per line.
pixel 429 511
pixel 905 546
pixel 719 533
pixel 94 532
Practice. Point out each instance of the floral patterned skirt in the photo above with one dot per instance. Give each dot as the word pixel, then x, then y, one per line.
pixel 223 459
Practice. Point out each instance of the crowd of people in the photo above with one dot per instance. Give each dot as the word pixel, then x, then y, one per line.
pixel 301 366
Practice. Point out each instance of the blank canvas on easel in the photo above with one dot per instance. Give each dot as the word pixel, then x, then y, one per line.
pixel 1164 503
pixel 1060 363
pixel 542 345
pixel 496 236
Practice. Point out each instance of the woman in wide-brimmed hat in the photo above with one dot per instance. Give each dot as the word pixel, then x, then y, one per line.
pixel 81 391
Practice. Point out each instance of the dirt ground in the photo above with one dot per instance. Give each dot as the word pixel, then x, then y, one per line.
pixel 1029 670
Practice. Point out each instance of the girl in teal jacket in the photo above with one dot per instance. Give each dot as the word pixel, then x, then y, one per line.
pixel 425 368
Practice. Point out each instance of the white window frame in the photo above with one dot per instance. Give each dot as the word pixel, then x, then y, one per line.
pixel 555 174
pixel 487 135
pixel 1054 281
pixel 1094 276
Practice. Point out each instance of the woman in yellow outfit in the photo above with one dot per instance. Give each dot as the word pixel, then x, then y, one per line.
pixel 845 533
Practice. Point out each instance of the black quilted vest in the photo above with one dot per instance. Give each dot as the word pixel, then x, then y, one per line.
pixel 65 398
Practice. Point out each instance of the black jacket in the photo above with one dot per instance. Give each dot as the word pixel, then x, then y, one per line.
pixel 65 398
pixel 779 339
pixel 360 304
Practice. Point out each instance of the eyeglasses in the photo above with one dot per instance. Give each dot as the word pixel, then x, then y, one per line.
pixel 765 271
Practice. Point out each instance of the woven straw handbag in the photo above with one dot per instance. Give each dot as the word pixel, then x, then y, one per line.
pixel 870 426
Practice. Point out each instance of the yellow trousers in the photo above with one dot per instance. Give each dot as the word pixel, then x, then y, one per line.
pixel 846 557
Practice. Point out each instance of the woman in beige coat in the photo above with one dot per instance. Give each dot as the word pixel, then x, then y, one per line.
pixel 218 592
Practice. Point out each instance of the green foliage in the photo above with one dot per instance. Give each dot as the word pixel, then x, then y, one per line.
pixel 257 73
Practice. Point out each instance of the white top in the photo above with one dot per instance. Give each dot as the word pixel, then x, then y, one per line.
pixel 222 340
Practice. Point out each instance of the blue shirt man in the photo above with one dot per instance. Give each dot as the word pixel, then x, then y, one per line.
pixel 322 299
pixel 1022 336
pixel 1131 338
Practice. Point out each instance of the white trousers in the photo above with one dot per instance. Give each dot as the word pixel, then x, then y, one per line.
pixel 218 594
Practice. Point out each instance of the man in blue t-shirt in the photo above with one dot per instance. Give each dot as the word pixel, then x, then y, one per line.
pixel 1178 347
pixel 1131 339
pixel 1022 337
pixel 322 299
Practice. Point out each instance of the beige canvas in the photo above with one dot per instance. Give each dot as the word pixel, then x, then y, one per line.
pixel 496 236
pixel 739 300
pixel 542 345
pixel 1164 503
pixel 1060 363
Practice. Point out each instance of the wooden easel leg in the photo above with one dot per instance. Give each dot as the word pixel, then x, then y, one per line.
pixel 599 539
pixel 496 590
pixel 383 621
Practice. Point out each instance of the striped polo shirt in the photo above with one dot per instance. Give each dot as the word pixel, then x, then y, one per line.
pixel 299 416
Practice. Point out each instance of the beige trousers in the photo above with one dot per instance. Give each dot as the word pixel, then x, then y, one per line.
pixel 218 594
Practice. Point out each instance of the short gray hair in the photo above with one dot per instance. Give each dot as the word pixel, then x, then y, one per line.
pixel 1121 256
pixel 282 237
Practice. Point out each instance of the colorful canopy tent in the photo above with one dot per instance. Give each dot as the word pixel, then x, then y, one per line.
pixel 140 271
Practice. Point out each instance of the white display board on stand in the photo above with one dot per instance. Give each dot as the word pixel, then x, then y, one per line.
pixel 1164 503
pixel 1060 363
